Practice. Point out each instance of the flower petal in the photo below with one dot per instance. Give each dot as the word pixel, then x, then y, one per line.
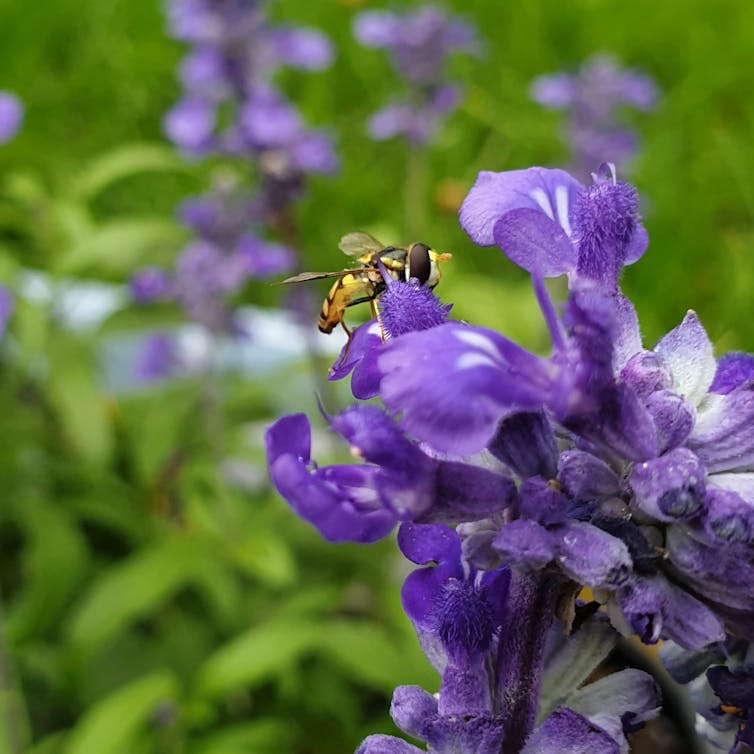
pixel 688 351
pixel 381 744
pixel 670 488
pixel 590 556
pixel 733 370
pixel 410 709
pixel 494 194
pixel 534 242
pixel 568 732
pixel 723 437
pixel 453 384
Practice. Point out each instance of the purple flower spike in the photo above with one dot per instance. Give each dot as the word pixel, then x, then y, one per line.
pixel 419 43
pixel 594 99
pixel 11 116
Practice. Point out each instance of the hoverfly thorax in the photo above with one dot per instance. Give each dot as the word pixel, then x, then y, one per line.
pixel 366 283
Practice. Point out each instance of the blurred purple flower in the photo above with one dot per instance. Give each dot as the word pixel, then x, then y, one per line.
pixel 11 116
pixel 418 43
pixel 593 99
pixel 6 308
pixel 158 358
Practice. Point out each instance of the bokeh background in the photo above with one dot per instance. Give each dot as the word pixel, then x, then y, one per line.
pixel 156 595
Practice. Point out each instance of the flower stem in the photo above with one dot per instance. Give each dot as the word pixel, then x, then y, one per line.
pixel 530 612
pixel 415 193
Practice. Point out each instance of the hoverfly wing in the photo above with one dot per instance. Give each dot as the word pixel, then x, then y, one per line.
pixel 303 277
pixel 358 243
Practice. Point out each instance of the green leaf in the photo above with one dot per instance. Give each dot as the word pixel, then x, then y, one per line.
pixel 133 588
pixel 252 658
pixel 260 736
pixel 113 723
pixel 123 162
pixel 76 395
pixel 373 657
pixel 267 558
pixel 121 245
pixel 54 540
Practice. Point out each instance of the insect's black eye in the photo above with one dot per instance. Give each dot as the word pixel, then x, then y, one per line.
pixel 419 264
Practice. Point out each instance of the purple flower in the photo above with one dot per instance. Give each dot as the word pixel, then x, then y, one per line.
pixel 150 284
pixel 6 308
pixel 158 358
pixel 418 44
pixel 398 482
pixel 593 99
pixel 11 116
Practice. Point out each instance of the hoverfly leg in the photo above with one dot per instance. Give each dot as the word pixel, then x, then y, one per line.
pixel 376 314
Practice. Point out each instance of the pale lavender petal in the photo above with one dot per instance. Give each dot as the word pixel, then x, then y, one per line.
pixel 534 242
pixel 381 744
pixel 670 488
pixel 550 191
pixel 555 90
pixel 11 116
pixel 673 417
pixel 688 352
pixel 568 732
pixel 314 152
pixel 376 28
pixel 723 574
pixel 637 246
pixel 727 515
pixel 733 370
pixel 268 121
pixel 591 556
pixel 586 477
pixel 723 436
pixel 392 120
pixel 191 123
pixel 525 544
pixel 307 49
pixel 410 709
pixel 627 335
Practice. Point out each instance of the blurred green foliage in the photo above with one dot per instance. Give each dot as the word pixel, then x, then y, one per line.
pixel 151 601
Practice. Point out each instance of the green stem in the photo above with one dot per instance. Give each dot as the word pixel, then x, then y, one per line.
pixel 415 193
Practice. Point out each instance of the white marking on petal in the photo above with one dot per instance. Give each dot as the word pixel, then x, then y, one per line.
pixel 477 340
pixel 540 197
pixel 473 360
pixel 561 202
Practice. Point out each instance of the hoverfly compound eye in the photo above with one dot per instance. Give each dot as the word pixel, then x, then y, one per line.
pixel 419 263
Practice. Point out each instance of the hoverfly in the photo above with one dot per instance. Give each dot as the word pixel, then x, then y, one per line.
pixel 357 285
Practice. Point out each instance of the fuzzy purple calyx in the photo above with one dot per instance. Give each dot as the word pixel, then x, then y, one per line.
pixel 410 307
pixel 464 619
pixel 605 219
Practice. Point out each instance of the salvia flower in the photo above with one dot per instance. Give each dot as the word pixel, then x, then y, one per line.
pixel 594 98
pixel 519 478
pixel 418 43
